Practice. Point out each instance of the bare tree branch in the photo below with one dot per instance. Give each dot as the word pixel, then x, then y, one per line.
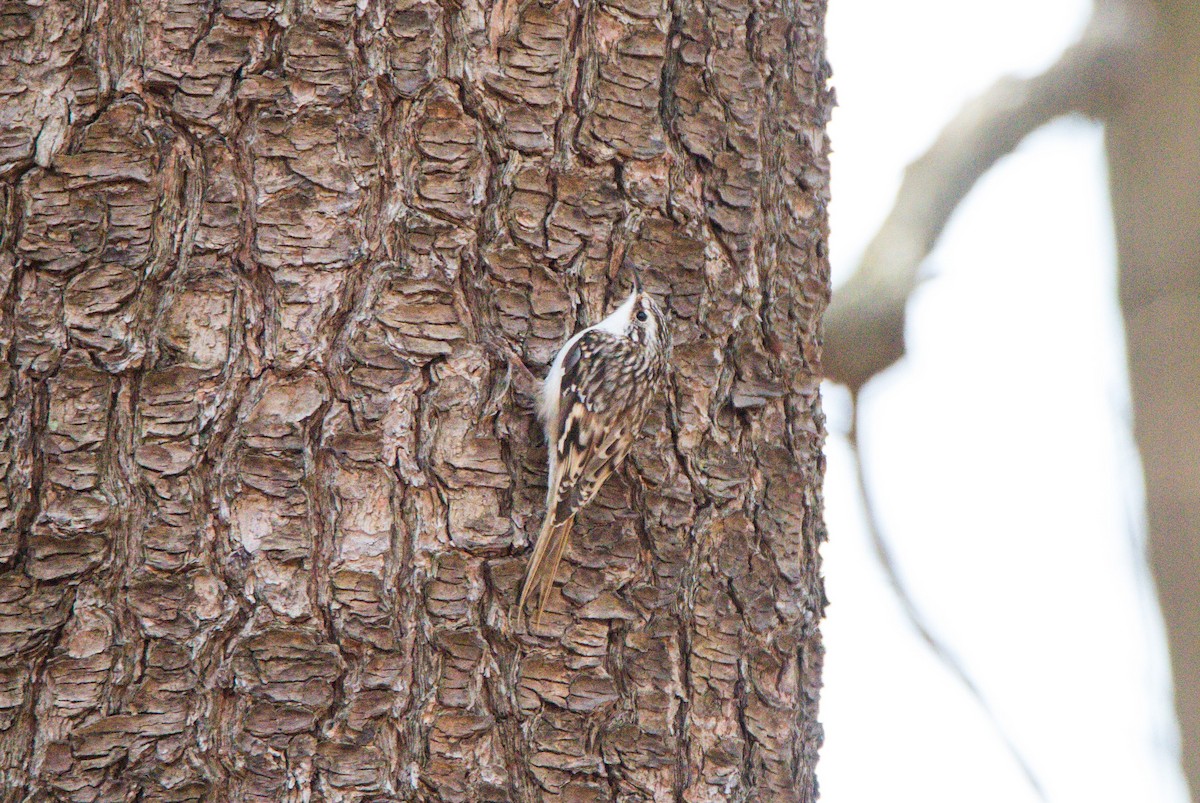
pixel 864 325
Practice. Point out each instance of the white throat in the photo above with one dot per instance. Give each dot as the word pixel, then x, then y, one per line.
pixel 618 322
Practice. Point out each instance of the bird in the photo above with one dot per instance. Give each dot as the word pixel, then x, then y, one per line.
pixel 594 401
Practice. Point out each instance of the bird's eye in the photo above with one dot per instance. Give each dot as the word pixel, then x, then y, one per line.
pixel 641 316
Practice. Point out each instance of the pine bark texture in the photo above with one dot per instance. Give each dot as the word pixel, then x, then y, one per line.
pixel 278 282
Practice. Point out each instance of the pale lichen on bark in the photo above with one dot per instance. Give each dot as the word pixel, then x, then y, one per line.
pixel 279 279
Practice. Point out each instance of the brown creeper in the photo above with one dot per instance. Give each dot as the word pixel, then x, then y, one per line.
pixel 594 402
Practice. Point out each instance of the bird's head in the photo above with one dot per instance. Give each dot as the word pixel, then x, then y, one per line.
pixel 639 318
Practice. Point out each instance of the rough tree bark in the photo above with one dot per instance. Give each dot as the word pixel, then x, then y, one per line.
pixel 278 278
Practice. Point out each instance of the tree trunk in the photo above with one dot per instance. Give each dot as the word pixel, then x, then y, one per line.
pixel 1154 159
pixel 279 279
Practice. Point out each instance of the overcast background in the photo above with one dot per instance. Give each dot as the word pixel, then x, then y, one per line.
pixel 999 451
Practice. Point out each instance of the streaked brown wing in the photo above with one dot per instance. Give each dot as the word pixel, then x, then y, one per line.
pixel 590 452
pixel 592 438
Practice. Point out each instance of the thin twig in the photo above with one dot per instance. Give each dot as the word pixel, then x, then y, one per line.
pixel 913 614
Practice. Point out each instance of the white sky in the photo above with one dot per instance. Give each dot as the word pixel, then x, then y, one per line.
pixel 999 451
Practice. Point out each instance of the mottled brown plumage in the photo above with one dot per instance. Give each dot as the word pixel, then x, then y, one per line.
pixel 594 402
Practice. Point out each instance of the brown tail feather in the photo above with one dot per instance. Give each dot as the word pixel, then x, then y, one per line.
pixel 561 535
pixel 543 565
